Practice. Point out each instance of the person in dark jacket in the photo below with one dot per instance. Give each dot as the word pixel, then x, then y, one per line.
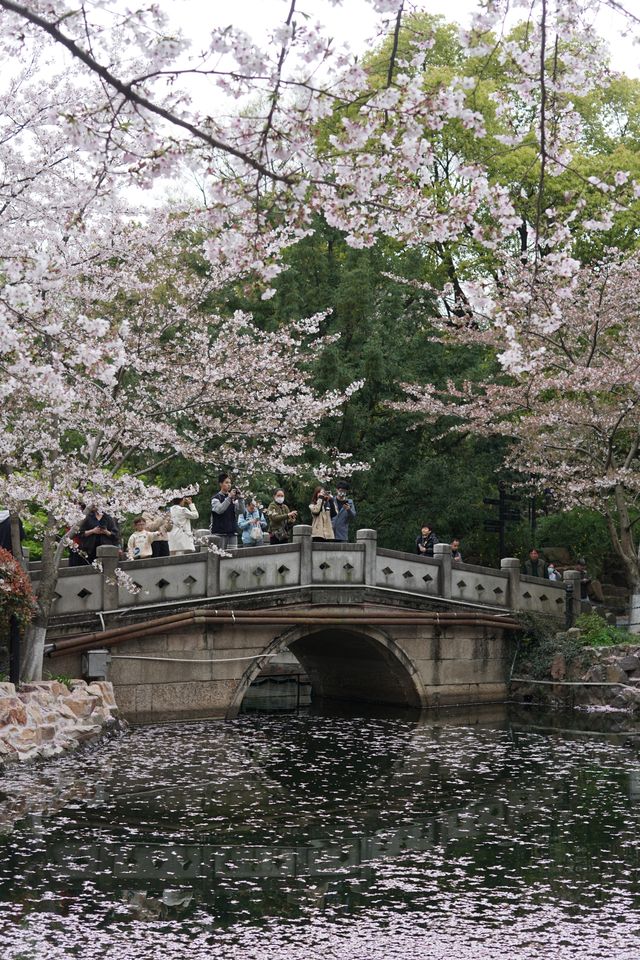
pixel 98 529
pixel 226 505
pixel 426 541
pixel 5 530
pixel 535 565
pixel 346 511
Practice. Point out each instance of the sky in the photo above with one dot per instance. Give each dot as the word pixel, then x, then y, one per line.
pixel 355 21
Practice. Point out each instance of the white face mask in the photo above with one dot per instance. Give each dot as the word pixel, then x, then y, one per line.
pixel 279 499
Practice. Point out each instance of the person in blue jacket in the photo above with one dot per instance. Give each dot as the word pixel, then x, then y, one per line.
pixel 252 524
pixel 345 512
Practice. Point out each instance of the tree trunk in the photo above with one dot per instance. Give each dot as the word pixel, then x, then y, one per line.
pixel 16 543
pixel 622 540
pixel 36 633
pixel 634 609
pixel 33 651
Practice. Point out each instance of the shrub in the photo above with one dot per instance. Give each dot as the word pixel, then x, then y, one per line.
pixel 16 593
pixel 596 632
pixel 540 643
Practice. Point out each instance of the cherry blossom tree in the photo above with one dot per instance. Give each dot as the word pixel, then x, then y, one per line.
pixel 110 365
pixel 568 394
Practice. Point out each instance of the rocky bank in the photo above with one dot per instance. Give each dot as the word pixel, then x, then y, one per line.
pixel 46 718
pixel 596 677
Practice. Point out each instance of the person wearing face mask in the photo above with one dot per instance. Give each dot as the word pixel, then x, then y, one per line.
pixel 280 518
pixel 552 573
pixel 346 511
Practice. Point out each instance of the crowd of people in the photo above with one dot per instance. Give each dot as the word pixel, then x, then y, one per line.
pixel 536 566
pixel 235 521
pixel 427 539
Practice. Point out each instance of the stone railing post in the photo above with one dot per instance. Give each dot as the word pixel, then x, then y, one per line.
pixel 213 573
pixel 370 540
pixel 511 565
pixel 442 553
pixel 572 578
pixel 109 557
pixel 302 535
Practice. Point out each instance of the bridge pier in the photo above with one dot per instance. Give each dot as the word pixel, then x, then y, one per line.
pixel 203 668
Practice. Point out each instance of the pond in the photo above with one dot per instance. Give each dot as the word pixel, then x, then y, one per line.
pixel 353 836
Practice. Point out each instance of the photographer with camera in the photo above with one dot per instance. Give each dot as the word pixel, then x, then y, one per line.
pixel 281 518
pixel 226 506
pixel 180 537
pixel 345 510
pixel 323 510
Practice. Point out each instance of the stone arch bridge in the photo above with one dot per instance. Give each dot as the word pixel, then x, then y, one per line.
pixel 366 624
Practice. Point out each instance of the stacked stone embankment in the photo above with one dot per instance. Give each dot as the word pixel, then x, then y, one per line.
pixel 47 718
pixel 599 677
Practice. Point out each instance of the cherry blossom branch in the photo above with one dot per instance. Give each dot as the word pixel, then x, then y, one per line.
pixel 137 99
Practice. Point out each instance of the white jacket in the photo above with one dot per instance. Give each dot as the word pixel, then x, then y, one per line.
pixel 180 536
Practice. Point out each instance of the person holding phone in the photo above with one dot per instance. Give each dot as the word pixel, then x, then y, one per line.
pixel 323 509
pixel 98 529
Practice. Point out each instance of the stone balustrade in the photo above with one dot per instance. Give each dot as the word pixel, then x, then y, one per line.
pixel 302 563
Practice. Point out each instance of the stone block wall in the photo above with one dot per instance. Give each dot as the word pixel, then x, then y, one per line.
pixel 45 718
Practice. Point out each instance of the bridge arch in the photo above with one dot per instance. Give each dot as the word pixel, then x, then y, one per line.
pixel 353 662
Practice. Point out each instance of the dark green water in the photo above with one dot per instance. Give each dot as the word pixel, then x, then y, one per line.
pixel 354 837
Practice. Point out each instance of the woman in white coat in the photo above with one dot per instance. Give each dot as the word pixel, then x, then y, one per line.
pixel 180 536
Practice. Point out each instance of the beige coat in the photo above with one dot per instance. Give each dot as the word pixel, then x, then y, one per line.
pixel 321 525
pixel 180 536
pixel 159 523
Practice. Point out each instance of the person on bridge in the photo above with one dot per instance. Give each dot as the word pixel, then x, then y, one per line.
pixel 139 545
pixel 323 510
pixel 226 505
pixel 535 565
pixel 252 524
pixel 280 518
pixel 180 536
pixel 426 541
pixel 346 510
pixel 98 529
pixel 160 522
pixel 455 550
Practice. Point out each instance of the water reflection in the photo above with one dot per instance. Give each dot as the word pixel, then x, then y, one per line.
pixel 483 835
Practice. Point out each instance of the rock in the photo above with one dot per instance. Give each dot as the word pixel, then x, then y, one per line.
pixel 613 674
pixel 46 732
pixel 7 689
pixel 104 690
pixel 627 698
pixel 573 633
pixel 12 711
pixel 595 674
pixel 51 687
pixel 81 703
pixel 630 663
pixel 558 669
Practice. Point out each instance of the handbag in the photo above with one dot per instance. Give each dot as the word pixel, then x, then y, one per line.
pixel 256 533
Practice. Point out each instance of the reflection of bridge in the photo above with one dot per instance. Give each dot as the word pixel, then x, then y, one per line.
pixel 366 623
